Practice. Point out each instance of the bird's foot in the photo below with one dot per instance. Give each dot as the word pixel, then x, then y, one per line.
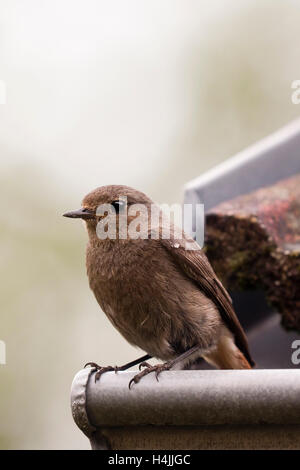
pixel 158 368
pixel 100 370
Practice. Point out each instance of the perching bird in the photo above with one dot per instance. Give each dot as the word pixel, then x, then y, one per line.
pixel 161 296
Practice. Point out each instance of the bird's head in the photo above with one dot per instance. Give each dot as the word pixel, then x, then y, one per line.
pixel 106 201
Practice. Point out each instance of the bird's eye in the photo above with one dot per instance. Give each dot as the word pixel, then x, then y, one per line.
pixel 118 205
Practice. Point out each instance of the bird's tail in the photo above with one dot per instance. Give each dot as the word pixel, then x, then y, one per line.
pixel 227 355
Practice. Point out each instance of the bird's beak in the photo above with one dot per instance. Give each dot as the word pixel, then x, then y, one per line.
pixel 81 213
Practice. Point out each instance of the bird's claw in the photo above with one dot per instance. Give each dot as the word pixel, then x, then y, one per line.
pixel 92 364
pixel 158 368
pixel 100 370
pixel 144 364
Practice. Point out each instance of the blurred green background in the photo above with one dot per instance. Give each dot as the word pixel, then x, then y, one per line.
pixel 137 92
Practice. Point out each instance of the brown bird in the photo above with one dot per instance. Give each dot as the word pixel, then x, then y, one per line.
pixel 161 296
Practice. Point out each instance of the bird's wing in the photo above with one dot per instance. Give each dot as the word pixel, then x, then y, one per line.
pixel 195 265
